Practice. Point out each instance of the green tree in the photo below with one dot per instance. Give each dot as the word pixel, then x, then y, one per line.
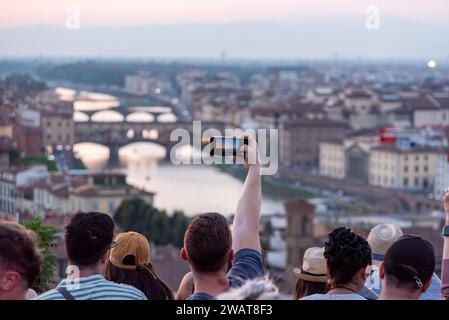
pixel 47 236
pixel 139 216
pixel 159 229
pixel 178 225
pixel 24 82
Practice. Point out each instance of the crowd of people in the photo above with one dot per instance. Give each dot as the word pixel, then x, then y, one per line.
pixel 225 262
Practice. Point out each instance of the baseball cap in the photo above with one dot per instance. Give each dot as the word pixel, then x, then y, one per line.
pixel 409 259
pixel 130 244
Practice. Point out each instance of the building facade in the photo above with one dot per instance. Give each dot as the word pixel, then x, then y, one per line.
pixel 301 139
pixel 332 159
pixel 441 175
pixel 58 129
pixel 299 234
pixel 403 168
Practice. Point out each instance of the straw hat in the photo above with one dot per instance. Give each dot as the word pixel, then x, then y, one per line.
pixel 313 266
pixel 130 243
pixel 382 236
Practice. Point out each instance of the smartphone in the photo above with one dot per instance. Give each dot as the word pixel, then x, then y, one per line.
pixel 227 146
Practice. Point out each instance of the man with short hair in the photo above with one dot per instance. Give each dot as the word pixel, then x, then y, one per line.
pixel 20 260
pixel 210 246
pixel 407 269
pixel 380 238
pixel 88 239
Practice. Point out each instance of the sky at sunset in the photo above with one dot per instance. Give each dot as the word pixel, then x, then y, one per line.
pixel 14 13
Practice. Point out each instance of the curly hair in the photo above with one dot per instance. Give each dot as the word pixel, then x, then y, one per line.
pixel 88 236
pixel 346 253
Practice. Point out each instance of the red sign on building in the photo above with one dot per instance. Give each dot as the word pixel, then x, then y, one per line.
pixel 388 135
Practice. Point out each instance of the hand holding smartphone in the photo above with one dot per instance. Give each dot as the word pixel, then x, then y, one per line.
pixel 228 146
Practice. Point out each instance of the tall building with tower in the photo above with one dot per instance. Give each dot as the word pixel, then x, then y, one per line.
pixel 299 235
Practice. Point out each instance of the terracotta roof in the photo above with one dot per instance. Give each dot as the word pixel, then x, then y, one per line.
pixel 314 123
pixel 394 149
pixel 358 94
pixel 420 103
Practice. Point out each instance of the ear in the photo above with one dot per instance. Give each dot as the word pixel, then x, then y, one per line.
pixel 231 256
pixel 10 280
pixel 184 255
pixel 426 285
pixel 382 270
pixel 363 272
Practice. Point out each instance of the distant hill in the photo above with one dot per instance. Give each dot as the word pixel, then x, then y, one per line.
pixel 345 37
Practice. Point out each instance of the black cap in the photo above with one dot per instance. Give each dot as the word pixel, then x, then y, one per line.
pixel 409 259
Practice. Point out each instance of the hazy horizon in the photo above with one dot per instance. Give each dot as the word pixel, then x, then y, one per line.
pixel 239 30
pixel 343 37
pixel 138 12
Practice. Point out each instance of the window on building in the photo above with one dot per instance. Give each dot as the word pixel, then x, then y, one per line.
pixel 406 158
pixel 416 168
pixel 417 158
pixel 405 182
pixel 405 168
pixel 417 184
pixel 425 183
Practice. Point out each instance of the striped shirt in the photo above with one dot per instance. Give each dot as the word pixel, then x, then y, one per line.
pixel 94 287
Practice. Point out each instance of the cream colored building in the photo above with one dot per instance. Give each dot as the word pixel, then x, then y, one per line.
pixel 332 159
pixel 408 169
pixel 58 129
pixel 68 194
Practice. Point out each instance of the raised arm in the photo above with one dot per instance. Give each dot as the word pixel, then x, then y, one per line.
pixel 245 230
pixel 445 262
pixel 186 287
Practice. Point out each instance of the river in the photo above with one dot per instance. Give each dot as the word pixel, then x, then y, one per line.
pixel 191 188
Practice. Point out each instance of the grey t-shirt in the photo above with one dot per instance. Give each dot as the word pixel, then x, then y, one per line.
pixel 349 296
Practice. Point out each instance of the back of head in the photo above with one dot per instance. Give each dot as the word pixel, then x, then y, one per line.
pixel 409 263
pixel 88 237
pixel 208 242
pixel 255 289
pixel 382 236
pixel 312 276
pixel 19 252
pixel 129 263
pixel 346 253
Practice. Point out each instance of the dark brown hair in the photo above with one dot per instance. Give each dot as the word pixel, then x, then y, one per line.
pixel 88 236
pixel 208 242
pixel 142 278
pixel 19 251
pixel 346 253
pixel 306 288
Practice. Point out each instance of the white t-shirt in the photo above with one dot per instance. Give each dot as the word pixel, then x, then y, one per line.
pixel 349 296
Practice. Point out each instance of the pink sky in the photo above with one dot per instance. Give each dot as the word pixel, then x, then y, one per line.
pixel 137 12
